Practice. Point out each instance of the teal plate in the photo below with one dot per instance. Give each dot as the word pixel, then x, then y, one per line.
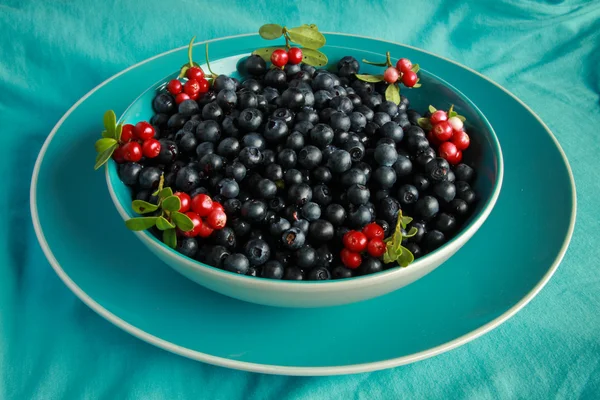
pixel 494 275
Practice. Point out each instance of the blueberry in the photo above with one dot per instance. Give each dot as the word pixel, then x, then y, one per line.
pixel 458 207
pixel 322 174
pixel 278 226
pixel 198 190
pixel 402 166
pixel 320 231
pixel 292 177
pixel 307 115
pixel 275 130
pixel 303 127
pixel 416 144
pixel 268 157
pixel 254 140
pixel 250 119
pixel 385 177
pixel 257 251
pixel 270 219
pixel 444 191
pixel 370 265
pixel 228 147
pixel 149 177
pixel 306 257
pixel 381 194
pixel 339 161
pixel 318 274
pixel 468 196
pixel 437 169
pixel 357 121
pixel 272 269
pixel 421 182
pixel 130 172
pixel 285 115
pixel 340 122
pixel 205 148
pixel 246 100
pixel 274 172
pixel 311 211
pixel 433 239
pixel 362 88
pixel 341 272
pixel 216 255
pixel 225 237
pixel 252 85
pixel 187 246
pixel 146 195
pixel 276 78
pixel 255 65
pixel 322 81
pixel 445 223
pixel 408 194
pixel 310 157
pixel 321 135
pixel 358 194
pixel 293 98
pixel 228 188
pixel 413 116
pixel 227 99
pixel 293 238
pixel 427 207
pixel 381 118
pixel 336 214
pixel 385 155
pixel 188 143
pixel 232 207
pixel 159 119
pixel 176 121
pixel 208 131
pixel 212 111
pixel 236 170
pixel 359 216
pixel 388 107
pixel 341 104
pixel 210 163
pixel 168 152
pixel 353 176
pixel 327 152
pixel 302 224
pixel 293 274
pixel 321 195
pixel 300 194
pixel 254 210
pixel 325 114
pixel 163 103
pixel 188 108
pixel 206 98
pixel 348 66
pixel 250 157
pixel 266 189
pixel 365 168
pixel 393 131
pixel 287 158
pixel 240 227
pixel 421 231
pixel 322 98
pixel 388 210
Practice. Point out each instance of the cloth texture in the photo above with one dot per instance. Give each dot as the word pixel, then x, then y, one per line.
pixel 53 52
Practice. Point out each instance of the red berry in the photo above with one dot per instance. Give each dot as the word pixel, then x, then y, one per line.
pixel 279 58
pixel 118 155
pixel 403 65
pixel 144 131
pixel 447 150
pixel 350 259
pixel 461 140
pixel 185 200
pixel 217 206
pixel 409 79
pixel 355 241
pixel 438 116
pixel 132 151
pixel 151 148
pixel 195 73
pixel 456 159
pixel 217 219
pixel 202 204
pixel 195 96
pixel 456 123
pixel 432 139
pixel 373 231
pixel 197 224
pixel 204 85
pixel 391 75
pixel 294 55
pixel 376 248
pixel 181 97
pixel 174 87
pixel 442 131
pixel 191 87
pixel 205 231
pixel 127 133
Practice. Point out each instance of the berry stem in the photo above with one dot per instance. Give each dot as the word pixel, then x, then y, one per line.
pixel 388 60
pixel 213 75
pixel 190 51
pixel 287 39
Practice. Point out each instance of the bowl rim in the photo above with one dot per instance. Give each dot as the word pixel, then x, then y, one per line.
pixel 326 285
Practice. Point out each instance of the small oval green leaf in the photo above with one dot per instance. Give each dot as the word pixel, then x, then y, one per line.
pixel 424 123
pixel 307 37
pixel 171 203
pixel 183 71
pixel 416 86
pixel 104 156
pixel 415 68
pixel 392 93
pixel 463 119
pixel 412 232
pixel 140 223
pixel 314 57
pixel 270 31
pixel 163 224
pixel 370 78
pixel 103 144
pixel 432 109
pixel 405 257
pixel 110 121
pixel 143 207
pixel 164 193
pixel 265 52
pixel 182 221
pixel 106 134
pixel 379 64
pixel 170 238
pixel 118 132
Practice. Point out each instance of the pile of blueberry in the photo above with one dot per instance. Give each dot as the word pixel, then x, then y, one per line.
pixel 309 166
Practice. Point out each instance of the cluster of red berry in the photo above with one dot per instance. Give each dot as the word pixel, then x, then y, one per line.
pixel 280 57
pixel 402 71
pixel 449 135
pixel 196 85
pixel 356 242
pixel 206 214
pixel 136 141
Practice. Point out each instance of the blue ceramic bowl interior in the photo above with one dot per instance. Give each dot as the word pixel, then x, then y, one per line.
pixel 484 152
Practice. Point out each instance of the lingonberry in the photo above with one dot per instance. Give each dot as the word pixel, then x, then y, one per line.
pixel 202 204
pixel 205 230
pixel 204 85
pixel 143 130
pixel 355 241
pixel 151 148
pixel 442 131
pixel 350 259
pixel 447 150
pixel 119 155
pixel 174 87
pixel 191 88
pixel 127 133
pixel 132 151
pixel 181 97
pixel 376 248
pixel 461 140
pixel 185 201
pixel 195 73
pixel 217 206
pixel 456 159
pixel 279 58
pixel 404 65
pixel 409 79
pixel 456 123
pixel 433 139
pixel 390 75
pixel 294 55
pixel 217 219
pixel 197 221
pixel 438 116
pixel 373 231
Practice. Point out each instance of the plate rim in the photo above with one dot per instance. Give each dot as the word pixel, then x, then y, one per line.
pixel 281 369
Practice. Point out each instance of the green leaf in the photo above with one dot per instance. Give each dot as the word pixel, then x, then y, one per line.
pixel 183 71
pixel 370 78
pixel 307 37
pixel 182 221
pixel 163 224
pixel 103 144
pixel 171 203
pixel 405 257
pixel 404 220
pixel 381 64
pixel 170 238
pixel 463 119
pixel 452 114
pixel 110 121
pixel 432 109
pixel 412 232
pixel 270 31
pixel 424 123
pixel 140 223
pixel 415 68
pixel 106 134
pixel 143 207
pixel 314 57
pixel 265 52
pixel 417 85
pixel 103 157
pixel 392 93
pixel 118 132
pixel 164 193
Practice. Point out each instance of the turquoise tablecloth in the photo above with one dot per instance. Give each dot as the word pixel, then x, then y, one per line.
pixel 52 53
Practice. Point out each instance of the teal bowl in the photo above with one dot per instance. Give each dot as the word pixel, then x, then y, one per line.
pixel 484 153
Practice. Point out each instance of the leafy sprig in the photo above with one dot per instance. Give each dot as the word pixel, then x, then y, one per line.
pixel 392 93
pixel 165 215
pixel 426 124
pixel 111 135
pixel 307 36
pixel 394 251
